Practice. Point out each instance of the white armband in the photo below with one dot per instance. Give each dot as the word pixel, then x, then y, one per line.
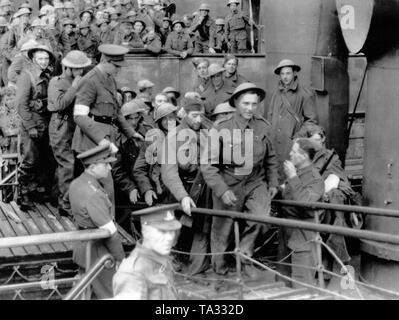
pixel 110 226
pixel 81 110
pixel 331 182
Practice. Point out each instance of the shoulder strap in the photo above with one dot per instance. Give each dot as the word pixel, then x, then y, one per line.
pixel 32 80
pixel 290 109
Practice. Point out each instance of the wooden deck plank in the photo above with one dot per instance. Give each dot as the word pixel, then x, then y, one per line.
pixel 9 232
pixel 19 228
pixel 4 253
pixel 52 222
pixel 66 223
pixel 30 226
pixel 41 225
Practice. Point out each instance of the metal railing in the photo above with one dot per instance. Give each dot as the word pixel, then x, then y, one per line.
pixel 298 224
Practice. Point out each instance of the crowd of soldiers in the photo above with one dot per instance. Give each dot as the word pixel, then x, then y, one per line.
pixel 110 147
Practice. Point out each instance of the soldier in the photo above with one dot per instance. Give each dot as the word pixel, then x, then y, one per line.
pixel 114 20
pixel 149 108
pixel 217 38
pixel 106 35
pixel 62 93
pixel 202 82
pixel 243 185
pixel 223 111
pixel 128 94
pixel 165 29
pixel 178 42
pixel 88 41
pixel 304 184
pixel 182 176
pixel 291 110
pixel 172 94
pixel 70 10
pixel 131 16
pixel 31 102
pixel 236 33
pixel 6 6
pixel 97 113
pixel 122 171
pixel 231 78
pixel 147 13
pixel 59 15
pixel 20 62
pixel 92 208
pixel 100 10
pixel 203 25
pixel 145 87
pixel 147 274
pixel 218 92
pixel 68 39
pixel 159 99
pixel 147 169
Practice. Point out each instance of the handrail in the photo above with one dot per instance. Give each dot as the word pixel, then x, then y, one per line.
pixel 290 223
pixel 339 207
pixel 36 284
pixel 106 261
pixel 50 238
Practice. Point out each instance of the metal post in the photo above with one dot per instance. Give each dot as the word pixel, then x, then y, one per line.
pixel 317 243
pixel 89 245
pixel 238 260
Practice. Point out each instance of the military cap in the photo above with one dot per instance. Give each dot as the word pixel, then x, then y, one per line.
pixel 139 20
pixel 287 63
pixel 127 89
pixel 25 5
pixel 161 220
pixel 178 21
pixel 41 47
pixel 76 59
pixel 66 22
pixel 223 108
pixel 84 25
pixel 233 1
pixel 37 23
pixel 190 104
pixel 89 10
pixel 204 6
pixel 3 22
pixel 145 84
pixel 69 5
pixel 5 3
pixel 99 154
pixel 21 12
pixel 194 95
pixel 220 21
pixel 245 87
pixel 214 69
pixel 31 43
pixel 101 21
pixel 115 54
pixel 133 107
pixel 171 90
pixel 163 110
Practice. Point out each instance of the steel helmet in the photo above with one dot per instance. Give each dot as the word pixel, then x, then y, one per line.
pixel 219 21
pixel 84 25
pixel 69 5
pixel 286 63
pixel 163 110
pixel 21 12
pixel 233 1
pixel 223 108
pixel 142 84
pixel 127 89
pixel 68 22
pixel 37 23
pixel 204 6
pixel 148 3
pixel 132 107
pixel 244 87
pixel 3 22
pixel 59 5
pixel 41 48
pixel 214 69
pixel 171 90
pixel 76 59
pixel 131 13
pixel 31 43
pixel 5 3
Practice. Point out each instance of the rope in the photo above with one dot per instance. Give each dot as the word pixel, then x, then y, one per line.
pixel 293 280
pixel 202 254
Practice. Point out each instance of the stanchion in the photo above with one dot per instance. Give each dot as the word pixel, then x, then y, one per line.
pixel 238 260
pixel 320 266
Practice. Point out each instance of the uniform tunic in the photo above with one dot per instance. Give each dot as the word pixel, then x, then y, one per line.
pixel 203 28
pixel 307 186
pixel 176 43
pixel 236 32
pixel 286 126
pixel 145 275
pixel 61 128
pixel 248 177
pixel 92 208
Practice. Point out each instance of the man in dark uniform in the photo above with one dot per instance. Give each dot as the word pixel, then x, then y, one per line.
pixel 87 41
pixel 147 274
pixel 305 184
pixel 92 208
pixel 291 110
pixel 62 94
pixel 178 42
pixel 203 25
pixel 68 37
pixel 236 33
pixel 31 103
pixel 240 184
pixel 97 113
